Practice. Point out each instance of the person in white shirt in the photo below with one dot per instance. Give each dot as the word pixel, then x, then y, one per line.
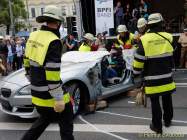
pixel 19 53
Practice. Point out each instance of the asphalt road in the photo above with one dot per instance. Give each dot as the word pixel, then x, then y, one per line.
pixel 121 120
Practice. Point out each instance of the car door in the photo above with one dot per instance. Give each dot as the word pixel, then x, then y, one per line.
pixel 125 84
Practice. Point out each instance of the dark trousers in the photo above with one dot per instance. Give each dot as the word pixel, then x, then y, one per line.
pixel 19 63
pixel 47 116
pixel 183 57
pixel 119 20
pixel 14 62
pixel 157 111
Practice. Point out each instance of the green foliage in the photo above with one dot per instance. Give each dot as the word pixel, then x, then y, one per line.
pixel 18 9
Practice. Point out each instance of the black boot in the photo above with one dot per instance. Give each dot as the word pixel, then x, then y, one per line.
pixel 157 130
pixel 167 124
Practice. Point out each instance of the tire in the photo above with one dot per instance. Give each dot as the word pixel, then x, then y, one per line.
pixel 76 98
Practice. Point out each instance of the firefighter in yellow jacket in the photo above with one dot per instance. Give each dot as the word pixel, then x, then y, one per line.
pixel 42 63
pixel 124 38
pixel 86 46
pixel 154 59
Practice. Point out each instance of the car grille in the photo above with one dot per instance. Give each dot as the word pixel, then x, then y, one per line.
pixel 5 92
pixel 25 109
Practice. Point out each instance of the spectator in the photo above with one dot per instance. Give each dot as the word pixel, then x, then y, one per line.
pixel 136 13
pixel 118 11
pixel 23 42
pixel 127 16
pixel 2 68
pixel 133 21
pixel 100 42
pixel 3 54
pixel 144 9
pixel 19 53
pixel 71 43
pixel 183 41
pixel 14 54
pixel 10 55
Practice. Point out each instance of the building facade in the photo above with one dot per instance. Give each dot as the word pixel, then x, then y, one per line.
pixel 36 8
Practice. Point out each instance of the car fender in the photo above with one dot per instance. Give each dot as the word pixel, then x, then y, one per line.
pixel 75 76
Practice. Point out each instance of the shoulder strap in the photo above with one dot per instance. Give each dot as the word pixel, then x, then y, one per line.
pixel 171 45
pixel 164 38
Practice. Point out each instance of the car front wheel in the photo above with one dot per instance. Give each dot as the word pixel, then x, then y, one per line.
pixel 76 100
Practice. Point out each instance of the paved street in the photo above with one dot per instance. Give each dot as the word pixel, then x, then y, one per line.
pixel 122 120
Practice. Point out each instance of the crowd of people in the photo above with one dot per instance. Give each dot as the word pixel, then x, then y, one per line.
pixel 11 54
pixel 128 15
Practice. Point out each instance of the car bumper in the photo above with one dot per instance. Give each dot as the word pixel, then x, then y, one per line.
pixel 20 111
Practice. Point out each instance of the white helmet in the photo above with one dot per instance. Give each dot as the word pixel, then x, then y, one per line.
pixel 141 22
pixel 1 37
pixel 51 12
pixel 185 29
pixel 89 36
pixel 155 18
pixel 122 28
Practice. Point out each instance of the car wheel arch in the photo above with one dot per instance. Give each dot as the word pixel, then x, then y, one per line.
pixel 85 96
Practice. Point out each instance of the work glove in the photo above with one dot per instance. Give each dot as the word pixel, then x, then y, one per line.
pixel 59 106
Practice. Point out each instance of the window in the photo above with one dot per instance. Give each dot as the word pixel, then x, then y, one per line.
pixel 33 12
pixel 63 11
pixel 42 11
pixel 73 10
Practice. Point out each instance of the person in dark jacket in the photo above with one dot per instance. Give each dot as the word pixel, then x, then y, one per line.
pixel 117 61
pixel 42 63
pixel 114 66
pixel 3 54
pixel 71 43
pixel 154 59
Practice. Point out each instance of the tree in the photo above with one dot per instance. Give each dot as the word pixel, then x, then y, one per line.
pixel 18 9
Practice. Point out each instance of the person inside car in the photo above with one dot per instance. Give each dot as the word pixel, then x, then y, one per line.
pixel 117 62
pixel 113 66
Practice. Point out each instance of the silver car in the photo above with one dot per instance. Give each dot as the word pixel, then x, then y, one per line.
pixel 82 73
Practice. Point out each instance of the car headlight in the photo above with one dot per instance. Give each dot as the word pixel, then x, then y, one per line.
pixel 26 90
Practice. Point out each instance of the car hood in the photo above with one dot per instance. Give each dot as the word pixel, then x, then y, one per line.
pixel 71 61
pixel 17 78
pixel 75 67
pixel 80 57
pixel 82 61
